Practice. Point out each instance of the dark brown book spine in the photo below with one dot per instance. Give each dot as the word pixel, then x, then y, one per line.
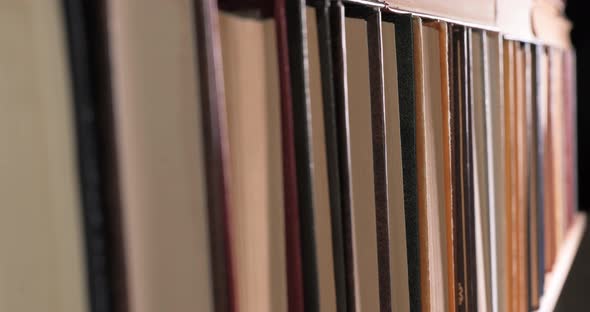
pixel 341 107
pixel 468 167
pixel 456 41
pixel 375 47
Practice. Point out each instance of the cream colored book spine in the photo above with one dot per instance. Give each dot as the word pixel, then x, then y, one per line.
pixel 42 264
pixel 400 292
pixel 157 117
pixel 361 174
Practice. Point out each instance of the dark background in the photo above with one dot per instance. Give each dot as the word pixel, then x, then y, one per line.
pixel 580 35
pixel 576 292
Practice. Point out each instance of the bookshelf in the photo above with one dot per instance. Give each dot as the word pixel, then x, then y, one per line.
pixel 556 279
pixel 287 155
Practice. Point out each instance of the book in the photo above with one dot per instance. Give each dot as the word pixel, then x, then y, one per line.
pixel 480 173
pixel 397 227
pixel 535 146
pixel 290 21
pixel 341 119
pixel 497 167
pixel 550 242
pixel 249 49
pixel 447 132
pixel 530 216
pixel 43 264
pixel 463 219
pixel 333 139
pixel 216 143
pixel 468 169
pixel 404 26
pixel 161 156
pixel 361 163
pixel 429 143
pixel 519 213
pixel 570 124
pixel 522 99
pixel 420 144
pixel 510 181
pixel 379 143
pixel 557 130
pixel 373 35
pixel 540 123
pixel 96 154
pixel 326 256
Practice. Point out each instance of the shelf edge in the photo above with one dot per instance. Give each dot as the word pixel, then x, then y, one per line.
pixel 567 253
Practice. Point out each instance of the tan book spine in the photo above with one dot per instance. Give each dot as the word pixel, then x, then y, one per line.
pixel 548 171
pixel 517 165
pixel 364 244
pixel 253 104
pixel 448 170
pixel 421 159
pixel 544 119
pixel 509 185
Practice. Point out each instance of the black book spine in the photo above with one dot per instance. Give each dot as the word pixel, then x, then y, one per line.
pixel 457 96
pixel 298 67
pixel 338 50
pixel 87 40
pixel 468 166
pixel 404 42
pixel 332 152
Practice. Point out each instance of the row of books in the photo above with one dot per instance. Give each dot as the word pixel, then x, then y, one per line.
pixel 329 156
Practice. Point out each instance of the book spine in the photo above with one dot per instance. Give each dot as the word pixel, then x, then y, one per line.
pixel 290 19
pixel 341 107
pixel 457 40
pixel 468 167
pixel 332 152
pixel 404 34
